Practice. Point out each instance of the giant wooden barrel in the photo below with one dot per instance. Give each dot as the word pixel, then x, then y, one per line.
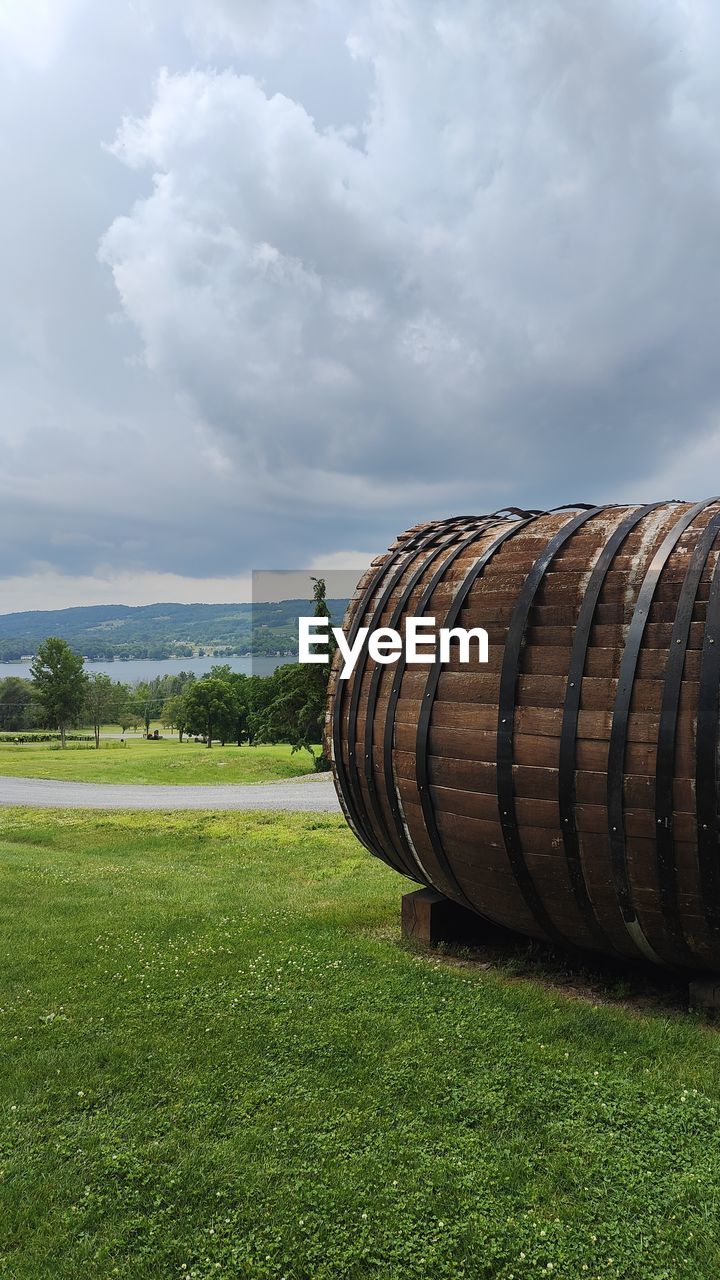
pixel 569 788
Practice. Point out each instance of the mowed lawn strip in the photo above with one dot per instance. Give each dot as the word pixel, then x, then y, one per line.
pixel 219 1061
pixel 165 761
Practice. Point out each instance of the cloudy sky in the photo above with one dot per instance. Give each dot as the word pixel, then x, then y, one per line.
pixel 282 278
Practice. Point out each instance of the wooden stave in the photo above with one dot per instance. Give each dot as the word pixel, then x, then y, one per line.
pixel 489 886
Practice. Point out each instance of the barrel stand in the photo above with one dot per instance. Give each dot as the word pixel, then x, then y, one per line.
pixel 429 917
pixel 704 994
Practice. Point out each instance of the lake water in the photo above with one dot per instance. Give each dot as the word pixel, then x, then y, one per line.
pixel 135 669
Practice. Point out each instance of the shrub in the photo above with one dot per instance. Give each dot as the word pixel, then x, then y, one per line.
pixel 43 736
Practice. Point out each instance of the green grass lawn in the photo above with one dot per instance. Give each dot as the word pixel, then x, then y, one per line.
pixel 166 760
pixel 219 1061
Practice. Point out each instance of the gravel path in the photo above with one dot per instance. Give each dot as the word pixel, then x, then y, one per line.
pixel 314 793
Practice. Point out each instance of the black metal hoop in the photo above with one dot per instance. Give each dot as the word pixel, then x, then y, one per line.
pixel 568 734
pixel 506 724
pixel 618 731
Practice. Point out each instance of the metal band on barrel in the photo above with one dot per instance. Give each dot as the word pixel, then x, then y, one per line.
pixel 406 547
pixel 665 764
pixel 403 550
pixel 567 764
pixel 480 524
pixel 706 761
pixel 618 732
pixel 389 732
pixel 506 724
pixel 428 540
pixel 428 699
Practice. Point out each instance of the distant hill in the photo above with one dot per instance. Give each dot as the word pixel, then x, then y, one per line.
pixel 107 631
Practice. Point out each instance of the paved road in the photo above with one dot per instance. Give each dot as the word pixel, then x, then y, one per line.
pixel 312 794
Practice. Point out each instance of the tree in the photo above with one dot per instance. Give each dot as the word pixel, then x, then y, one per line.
pixel 127 715
pixel 175 714
pixel 16 700
pixel 209 703
pixel 102 701
pixel 59 682
pixel 145 702
pixel 319 676
pixel 322 610
pixel 293 707
pixel 233 723
pixel 296 711
pixel 260 693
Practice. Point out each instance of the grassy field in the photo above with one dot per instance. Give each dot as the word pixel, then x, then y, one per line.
pixel 219 1061
pixel 137 760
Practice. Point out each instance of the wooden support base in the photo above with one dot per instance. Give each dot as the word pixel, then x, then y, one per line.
pixel 429 917
pixel 704 994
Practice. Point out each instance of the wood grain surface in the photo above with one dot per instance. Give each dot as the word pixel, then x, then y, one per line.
pixel 613 845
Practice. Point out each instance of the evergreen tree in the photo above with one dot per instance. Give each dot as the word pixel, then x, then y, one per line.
pixel 295 712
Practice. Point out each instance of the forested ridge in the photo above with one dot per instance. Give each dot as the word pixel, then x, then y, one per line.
pixel 161 630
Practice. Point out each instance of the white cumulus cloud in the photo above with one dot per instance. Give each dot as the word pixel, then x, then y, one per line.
pixel 342 267
pixel 509 271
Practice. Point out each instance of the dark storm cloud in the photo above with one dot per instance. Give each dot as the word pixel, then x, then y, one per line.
pixel 357 265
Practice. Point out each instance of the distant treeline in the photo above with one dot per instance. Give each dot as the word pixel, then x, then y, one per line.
pixel 224 705
pixel 159 631
pixel 125 705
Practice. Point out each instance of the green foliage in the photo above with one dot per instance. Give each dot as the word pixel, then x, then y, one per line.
pixel 18 710
pixel 174 715
pixel 160 630
pixel 142 704
pixel 104 701
pixel 295 711
pixel 287 706
pixel 147 699
pixel 212 708
pixel 322 610
pixel 218 1061
pixel 294 705
pixel 128 715
pixel 233 723
pixel 260 691
pixel 59 683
